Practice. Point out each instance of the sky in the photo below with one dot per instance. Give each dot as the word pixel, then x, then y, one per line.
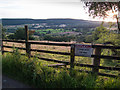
pixel 43 9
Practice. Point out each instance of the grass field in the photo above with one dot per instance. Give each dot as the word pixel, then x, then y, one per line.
pixel 45 31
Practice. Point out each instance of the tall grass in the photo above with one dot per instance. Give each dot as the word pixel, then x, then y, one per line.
pixel 33 72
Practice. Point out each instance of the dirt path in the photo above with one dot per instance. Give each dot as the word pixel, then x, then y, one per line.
pixel 10 83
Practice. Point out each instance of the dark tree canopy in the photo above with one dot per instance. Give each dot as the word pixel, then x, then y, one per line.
pixel 100 8
pixel 20 35
pixel 3 33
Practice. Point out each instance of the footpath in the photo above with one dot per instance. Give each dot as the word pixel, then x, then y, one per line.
pixel 11 83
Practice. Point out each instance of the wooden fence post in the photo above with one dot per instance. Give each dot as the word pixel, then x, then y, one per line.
pixel 28 46
pixel 96 60
pixel 72 56
pixel 2 48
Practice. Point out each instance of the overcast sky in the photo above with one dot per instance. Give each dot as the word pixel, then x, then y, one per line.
pixel 43 9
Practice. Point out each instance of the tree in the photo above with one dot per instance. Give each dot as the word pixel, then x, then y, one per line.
pixel 99 32
pixel 105 36
pixel 100 9
pixel 20 35
pixel 11 36
pixel 3 33
pixel 88 39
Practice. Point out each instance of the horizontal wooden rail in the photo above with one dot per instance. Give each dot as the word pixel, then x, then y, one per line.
pixel 109 68
pixel 100 67
pixel 53 44
pixel 105 47
pixel 67 63
pixel 53 52
pixel 56 65
pixel 108 75
pixel 40 43
pixel 63 44
pixel 14 41
pixel 106 57
pixel 8 51
pixel 15 47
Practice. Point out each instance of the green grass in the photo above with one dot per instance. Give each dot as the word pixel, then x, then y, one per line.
pixel 34 72
pixel 44 31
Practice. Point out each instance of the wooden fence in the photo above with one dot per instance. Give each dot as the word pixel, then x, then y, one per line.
pixel 96 57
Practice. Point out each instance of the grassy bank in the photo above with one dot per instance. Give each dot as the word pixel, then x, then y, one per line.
pixel 35 73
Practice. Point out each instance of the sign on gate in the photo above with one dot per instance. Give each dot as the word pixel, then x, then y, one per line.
pixel 83 50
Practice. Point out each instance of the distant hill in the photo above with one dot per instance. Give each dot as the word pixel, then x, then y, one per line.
pixel 73 22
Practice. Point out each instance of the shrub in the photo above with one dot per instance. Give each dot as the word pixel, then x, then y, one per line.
pixel 34 73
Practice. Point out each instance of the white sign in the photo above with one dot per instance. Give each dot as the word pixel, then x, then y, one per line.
pixel 83 50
